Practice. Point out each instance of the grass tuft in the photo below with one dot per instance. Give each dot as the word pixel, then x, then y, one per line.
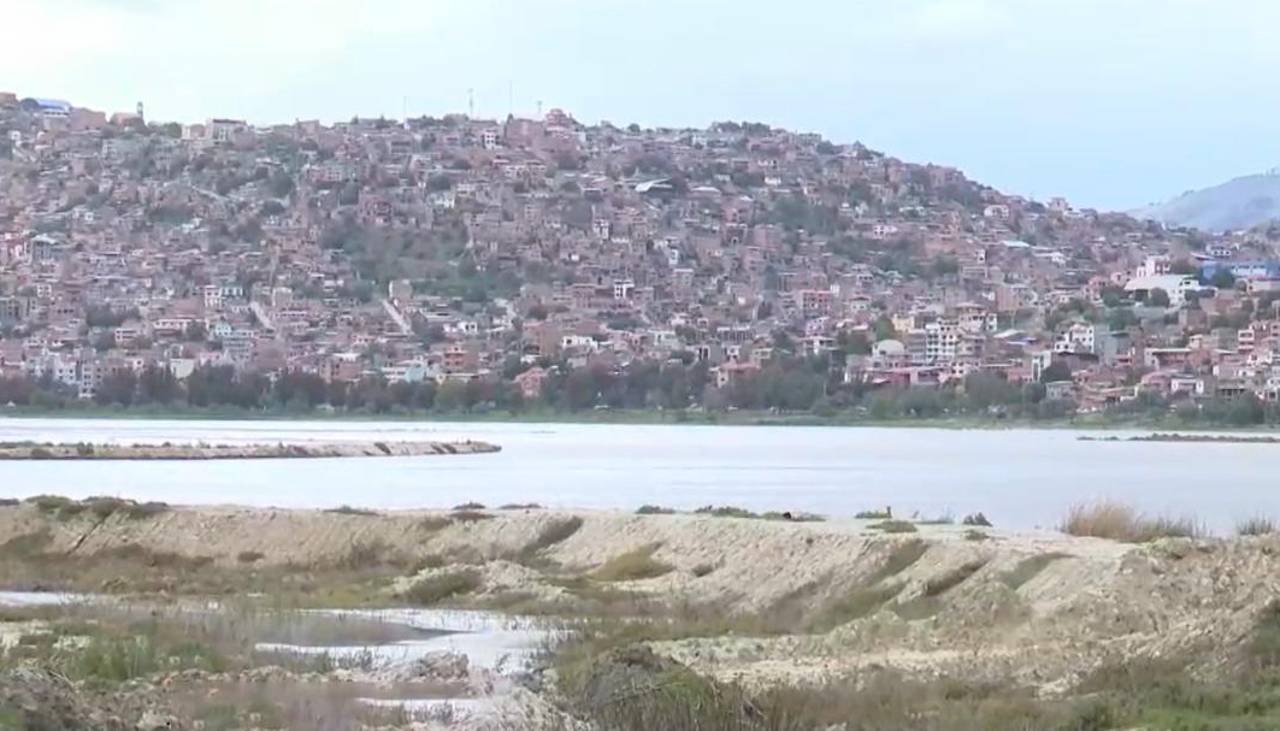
pixel 348 510
pixel 1119 522
pixel 435 589
pixel 725 511
pixel 632 566
pixel 894 526
pixel 1256 526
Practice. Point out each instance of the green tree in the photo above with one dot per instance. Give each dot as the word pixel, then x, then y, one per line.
pixel 1223 279
pixel 1158 298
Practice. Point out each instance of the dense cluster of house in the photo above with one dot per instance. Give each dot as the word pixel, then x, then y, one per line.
pixel 461 249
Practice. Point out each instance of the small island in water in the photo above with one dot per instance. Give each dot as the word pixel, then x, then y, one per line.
pixel 200 451
pixel 1189 438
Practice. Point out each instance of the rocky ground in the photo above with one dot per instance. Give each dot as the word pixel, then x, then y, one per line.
pixel 753 603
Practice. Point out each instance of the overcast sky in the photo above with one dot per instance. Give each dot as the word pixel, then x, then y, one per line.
pixel 1112 103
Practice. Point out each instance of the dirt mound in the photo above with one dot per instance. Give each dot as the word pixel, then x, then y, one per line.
pixel 825 598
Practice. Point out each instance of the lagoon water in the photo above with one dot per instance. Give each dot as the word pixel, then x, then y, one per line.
pixel 1020 478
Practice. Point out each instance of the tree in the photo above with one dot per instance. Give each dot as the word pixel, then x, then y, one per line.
pixel 1057 371
pixel 1223 279
pixel 1158 298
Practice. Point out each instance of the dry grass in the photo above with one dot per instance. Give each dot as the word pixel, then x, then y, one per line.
pixel 904 555
pixel 939 585
pixel 1256 526
pixel 1119 522
pixel 859 603
pixel 894 526
pixel 725 511
pixel 1029 568
pixel 435 589
pixel 348 510
pixel 632 566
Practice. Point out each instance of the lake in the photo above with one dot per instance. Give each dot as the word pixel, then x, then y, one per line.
pixel 1021 478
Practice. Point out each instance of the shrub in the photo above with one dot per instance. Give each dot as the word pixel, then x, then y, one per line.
pixel 793 517
pixel 703 569
pixel 250 556
pixel 1119 522
pixel 632 566
pixel 886 514
pixel 41 453
pixel 363 555
pixel 1256 526
pixel 8 502
pixel 433 523
pixel 977 519
pixel 520 506
pixel 470 516
pixel 468 506
pixel 435 589
pixel 50 503
pixel 103 507
pixel 894 526
pixel 976 535
pixel 725 511
pixel 654 510
pixel 348 510
pixel 141 511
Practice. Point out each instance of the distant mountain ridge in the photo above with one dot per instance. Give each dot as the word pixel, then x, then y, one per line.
pixel 1240 203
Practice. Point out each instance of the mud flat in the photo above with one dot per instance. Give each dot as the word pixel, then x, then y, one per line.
pixel 52 451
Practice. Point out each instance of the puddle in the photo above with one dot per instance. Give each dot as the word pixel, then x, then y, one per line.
pixel 490 641
pixel 41 598
pixel 382 647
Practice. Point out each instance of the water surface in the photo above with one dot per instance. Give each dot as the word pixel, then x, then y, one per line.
pixel 1020 478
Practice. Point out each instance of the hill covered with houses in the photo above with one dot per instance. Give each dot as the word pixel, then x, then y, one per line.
pixel 455 264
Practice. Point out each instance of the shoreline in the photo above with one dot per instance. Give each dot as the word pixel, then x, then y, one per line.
pixel 641 418
pixel 50 451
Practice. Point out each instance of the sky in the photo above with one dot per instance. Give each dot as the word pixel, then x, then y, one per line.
pixel 1111 103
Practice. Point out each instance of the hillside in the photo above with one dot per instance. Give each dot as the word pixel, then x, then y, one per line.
pixel 1240 203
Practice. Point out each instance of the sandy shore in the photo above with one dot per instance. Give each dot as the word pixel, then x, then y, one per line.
pixel 1032 607
pixel 239 451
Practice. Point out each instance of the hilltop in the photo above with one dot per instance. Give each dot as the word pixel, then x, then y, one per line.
pixel 1238 204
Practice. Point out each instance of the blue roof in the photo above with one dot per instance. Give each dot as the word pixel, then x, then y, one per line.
pixel 52 103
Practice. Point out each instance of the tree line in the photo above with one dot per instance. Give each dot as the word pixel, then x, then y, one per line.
pixel 811 385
